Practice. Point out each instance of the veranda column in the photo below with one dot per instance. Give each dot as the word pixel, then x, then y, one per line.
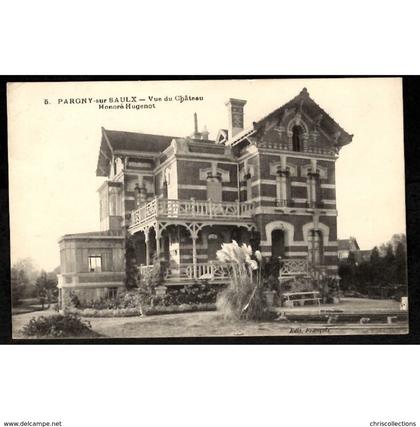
pixel 194 240
pixel 157 234
pixel 146 241
pixel 194 236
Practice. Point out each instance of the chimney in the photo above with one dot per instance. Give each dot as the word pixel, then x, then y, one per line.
pixel 236 116
pixel 196 134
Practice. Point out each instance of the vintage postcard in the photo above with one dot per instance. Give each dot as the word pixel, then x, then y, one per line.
pixel 207 208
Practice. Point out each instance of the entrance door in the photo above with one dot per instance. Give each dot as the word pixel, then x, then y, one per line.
pixel 277 243
pixel 214 245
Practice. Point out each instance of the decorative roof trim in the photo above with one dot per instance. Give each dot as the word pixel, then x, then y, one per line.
pixel 303 95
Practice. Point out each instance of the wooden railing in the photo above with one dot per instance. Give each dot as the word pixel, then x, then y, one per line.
pixel 314 205
pixel 211 271
pixel 283 202
pixel 301 267
pixel 294 267
pixel 172 208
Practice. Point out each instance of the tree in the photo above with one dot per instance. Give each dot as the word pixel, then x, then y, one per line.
pixel 17 279
pixel 364 277
pixel 400 264
pixel 28 266
pixel 347 272
pixel 397 239
pixel 45 285
pixel 376 266
pixel 44 282
pixel 26 271
pixel 132 273
pixel 389 265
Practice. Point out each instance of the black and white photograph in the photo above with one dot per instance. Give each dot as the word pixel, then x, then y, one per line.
pixel 207 208
pixel 209 214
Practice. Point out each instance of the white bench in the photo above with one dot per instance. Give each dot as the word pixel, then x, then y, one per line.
pixel 293 299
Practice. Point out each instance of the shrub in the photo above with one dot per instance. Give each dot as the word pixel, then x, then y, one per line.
pixel 155 277
pixel 59 326
pixel 183 308
pixel 136 301
pixel 243 298
pixel 74 300
pixel 191 294
pixel 127 299
pixel 119 312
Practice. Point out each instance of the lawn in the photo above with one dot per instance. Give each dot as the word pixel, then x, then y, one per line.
pixel 211 324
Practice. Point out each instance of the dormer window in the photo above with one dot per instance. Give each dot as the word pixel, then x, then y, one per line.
pixel 297 138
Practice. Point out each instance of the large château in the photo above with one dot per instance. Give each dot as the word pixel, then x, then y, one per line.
pixel 271 185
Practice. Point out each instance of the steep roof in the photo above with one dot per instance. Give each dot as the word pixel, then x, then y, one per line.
pixel 115 140
pixel 121 140
pixel 312 109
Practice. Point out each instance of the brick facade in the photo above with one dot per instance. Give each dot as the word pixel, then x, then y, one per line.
pixel 182 197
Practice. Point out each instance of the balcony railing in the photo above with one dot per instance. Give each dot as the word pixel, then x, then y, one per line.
pixel 314 205
pixel 172 208
pixel 283 203
pixel 210 271
pixel 218 272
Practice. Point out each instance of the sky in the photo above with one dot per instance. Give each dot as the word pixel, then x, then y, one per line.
pixel 53 148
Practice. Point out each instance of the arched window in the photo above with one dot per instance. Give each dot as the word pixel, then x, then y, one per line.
pixel 277 244
pixel 297 138
pixel 315 249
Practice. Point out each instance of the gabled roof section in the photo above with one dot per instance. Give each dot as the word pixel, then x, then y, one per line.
pixel 115 140
pixel 301 102
pixel 222 136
